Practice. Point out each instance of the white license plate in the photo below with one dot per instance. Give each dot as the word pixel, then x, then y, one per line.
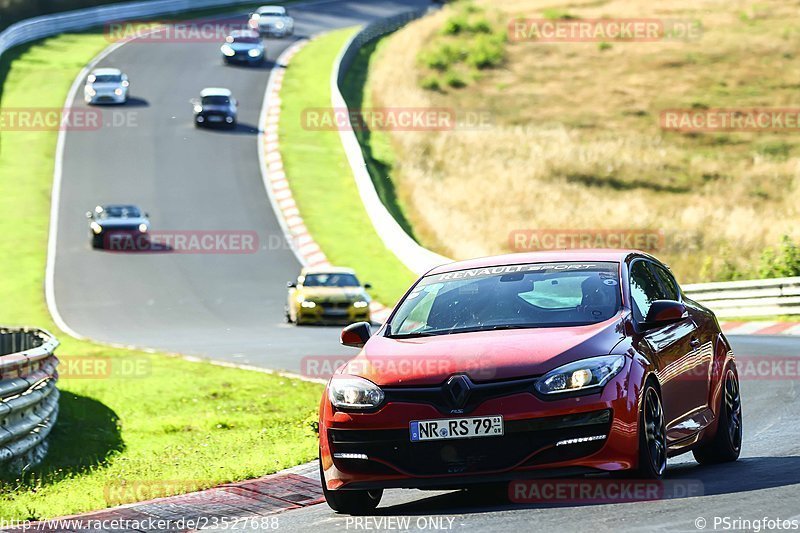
pixel 456 428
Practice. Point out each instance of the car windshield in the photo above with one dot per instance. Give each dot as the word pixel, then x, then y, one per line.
pixel 120 211
pixel 331 280
pixel 242 39
pixel 509 297
pixel 107 78
pixel 272 12
pixel 216 100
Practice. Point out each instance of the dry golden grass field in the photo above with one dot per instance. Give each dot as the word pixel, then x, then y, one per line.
pixel 574 140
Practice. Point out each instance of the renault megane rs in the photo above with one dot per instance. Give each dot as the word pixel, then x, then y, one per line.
pixel 529 365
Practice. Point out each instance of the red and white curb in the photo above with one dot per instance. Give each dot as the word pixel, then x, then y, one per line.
pixel 242 503
pixel 276 182
pixel 760 328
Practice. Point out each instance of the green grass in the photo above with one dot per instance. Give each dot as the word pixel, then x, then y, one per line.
pixel 191 424
pixel 321 179
pixel 375 145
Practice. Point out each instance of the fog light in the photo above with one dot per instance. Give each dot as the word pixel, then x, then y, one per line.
pixel 361 456
pixel 580 440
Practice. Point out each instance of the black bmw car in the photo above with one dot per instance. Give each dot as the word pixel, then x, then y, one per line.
pixel 117 225
pixel 215 107
pixel 243 47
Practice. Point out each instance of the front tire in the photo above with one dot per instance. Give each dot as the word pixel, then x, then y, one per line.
pixel 727 443
pixel 652 435
pixel 352 502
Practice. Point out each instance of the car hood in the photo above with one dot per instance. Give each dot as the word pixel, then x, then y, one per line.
pixel 334 294
pixel 105 86
pixel 244 47
pixel 483 356
pixel 122 222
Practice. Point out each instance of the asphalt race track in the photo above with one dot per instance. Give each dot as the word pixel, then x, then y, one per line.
pixel 226 306
pixel 231 306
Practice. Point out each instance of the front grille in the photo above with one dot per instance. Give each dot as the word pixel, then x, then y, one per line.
pixel 442 397
pixel 523 441
pixel 335 305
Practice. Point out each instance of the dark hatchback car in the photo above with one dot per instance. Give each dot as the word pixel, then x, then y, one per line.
pixel 215 107
pixel 112 224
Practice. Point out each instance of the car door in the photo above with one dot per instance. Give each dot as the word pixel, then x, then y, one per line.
pixel 670 346
pixel 695 379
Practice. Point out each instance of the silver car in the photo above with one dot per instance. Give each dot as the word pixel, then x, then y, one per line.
pixel 273 21
pixel 243 46
pixel 106 86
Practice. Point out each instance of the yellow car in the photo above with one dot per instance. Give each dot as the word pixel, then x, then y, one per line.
pixel 327 295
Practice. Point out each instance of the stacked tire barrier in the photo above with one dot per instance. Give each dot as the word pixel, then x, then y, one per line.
pixel 28 396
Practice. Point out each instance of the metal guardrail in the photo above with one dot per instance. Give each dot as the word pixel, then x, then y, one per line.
pixel 417 258
pixel 82 19
pixel 28 396
pixel 766 297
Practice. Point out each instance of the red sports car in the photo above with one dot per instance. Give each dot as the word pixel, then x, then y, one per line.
pixel 529 365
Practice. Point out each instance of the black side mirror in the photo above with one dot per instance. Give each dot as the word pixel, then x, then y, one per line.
pixel 367 285
pixel 291 285
pixel 663 312
pixel 356 335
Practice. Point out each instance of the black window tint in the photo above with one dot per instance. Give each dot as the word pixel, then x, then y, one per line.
pixel 668 282
pixel 645 289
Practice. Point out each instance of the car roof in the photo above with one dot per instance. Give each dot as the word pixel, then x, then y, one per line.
pixel 107 72
pixel 215 91
pixel 327 270
pixel 271 9
pixel 553 256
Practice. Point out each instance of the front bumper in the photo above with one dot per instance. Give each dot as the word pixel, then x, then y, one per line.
pixel 106 98
pixel 214 119
pixel 272 31
pixel 334 314
pixel 530 446
pixel 243 58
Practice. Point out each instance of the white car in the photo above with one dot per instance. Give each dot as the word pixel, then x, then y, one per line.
pixel 273 21
pixel 106 86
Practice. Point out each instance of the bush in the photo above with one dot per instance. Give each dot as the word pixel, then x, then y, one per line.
pixel 783 262
pixel 441 57
pixel 454 80
pixel 455 25
pixel 486 52
pixel 430 83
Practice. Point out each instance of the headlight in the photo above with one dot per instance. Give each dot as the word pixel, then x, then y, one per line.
pixel 198 109
pixel 280 25
pixel 254 52
pixel 142 228
pixel 90 91
pixel 581 375
pixel 96 228
pixel 227 50
pixel 307 304
pixel 360 304
pixel 354 393
pixel 118 91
